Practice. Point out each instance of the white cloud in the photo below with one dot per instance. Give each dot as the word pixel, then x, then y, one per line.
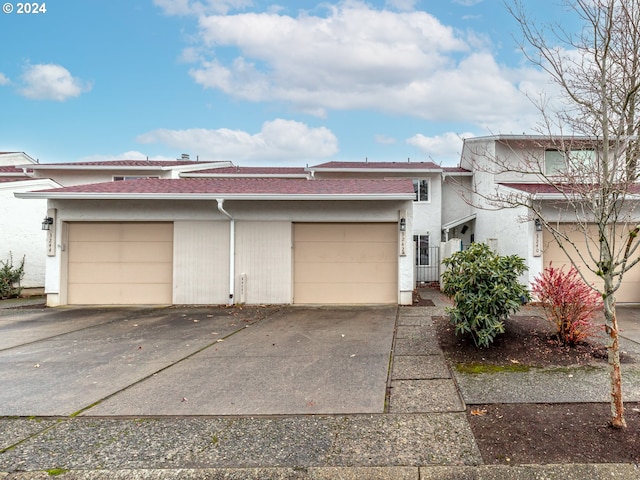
pixel 358 58
pixel 445 148
pixel 51 82
pixel 279 140
pixel 4 80
pixel 384 140
pixel 130 155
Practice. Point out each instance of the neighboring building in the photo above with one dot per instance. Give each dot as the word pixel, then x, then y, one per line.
pixel 21 235
pixel 79 173
pixel 513 230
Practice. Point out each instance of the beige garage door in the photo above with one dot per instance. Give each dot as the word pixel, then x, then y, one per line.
pixel 345 263
pixel 629 290
pixel 120 263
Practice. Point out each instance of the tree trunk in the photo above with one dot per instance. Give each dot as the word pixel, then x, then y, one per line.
pixel 613 351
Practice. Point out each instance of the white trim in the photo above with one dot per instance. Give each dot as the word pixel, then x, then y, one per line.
pixel 245 175
pixel 374 170
pixel 213 196
pixel 459 221
pixel 30 182
pixel 105 166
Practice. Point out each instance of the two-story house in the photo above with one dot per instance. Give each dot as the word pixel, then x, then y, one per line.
pixel 531 168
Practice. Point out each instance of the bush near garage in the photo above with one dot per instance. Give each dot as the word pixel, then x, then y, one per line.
pixel 485 290
pixel 569 303
pixel 10 277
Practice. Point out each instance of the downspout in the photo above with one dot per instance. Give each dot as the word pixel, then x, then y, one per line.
pixel 232 250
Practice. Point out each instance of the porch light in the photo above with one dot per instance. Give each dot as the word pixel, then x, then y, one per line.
pixel 46 223
pixel 403 224
pixel 538 224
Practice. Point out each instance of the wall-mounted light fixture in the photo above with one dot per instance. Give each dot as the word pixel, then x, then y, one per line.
pixel 538 225
pixel 46 223
pixel 403 224
pixel 464 229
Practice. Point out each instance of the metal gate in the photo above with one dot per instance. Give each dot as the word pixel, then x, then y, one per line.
pixel 428 267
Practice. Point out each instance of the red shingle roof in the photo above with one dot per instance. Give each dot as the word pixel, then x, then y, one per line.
pixel 125 163
pixel 378 165
pixel 254 171
pixel 14 179
pixel 10 169
pixel 250 186
pixel 544 188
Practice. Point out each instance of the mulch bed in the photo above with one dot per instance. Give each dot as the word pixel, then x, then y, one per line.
pixel 542 433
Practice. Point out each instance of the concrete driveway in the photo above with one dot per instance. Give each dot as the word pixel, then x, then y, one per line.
pixel 194 361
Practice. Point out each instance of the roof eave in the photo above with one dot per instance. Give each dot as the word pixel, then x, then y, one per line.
pixel 374 170
pixel 245 175
pixel 212 196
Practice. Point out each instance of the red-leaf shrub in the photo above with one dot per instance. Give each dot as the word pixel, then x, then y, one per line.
pixel 570 304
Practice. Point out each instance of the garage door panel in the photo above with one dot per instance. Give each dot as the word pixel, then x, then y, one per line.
pixel 364 233
pixel 345 263
pixel 114 273
pixel 120 263
pixel 344 293
pixel 148 232
pixel 128 294
pixel 345 252
pixel 629 290
pixel 350 272
pixel 109 252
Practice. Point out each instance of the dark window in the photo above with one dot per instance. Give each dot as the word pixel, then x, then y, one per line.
pixel 422 249
pixel 421 189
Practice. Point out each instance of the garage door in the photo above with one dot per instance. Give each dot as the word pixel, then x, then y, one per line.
pixel 629 290
pixel 120 263
pixel 345 263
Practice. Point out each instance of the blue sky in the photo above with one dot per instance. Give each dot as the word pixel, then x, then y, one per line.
pixel 262 83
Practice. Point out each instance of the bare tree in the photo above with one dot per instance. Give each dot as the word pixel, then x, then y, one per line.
pixel 585 153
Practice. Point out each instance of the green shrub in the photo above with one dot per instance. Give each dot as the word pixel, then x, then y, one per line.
pixel 10 277
pixel 485 291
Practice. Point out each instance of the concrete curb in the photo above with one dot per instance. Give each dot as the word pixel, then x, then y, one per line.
pixel 485 472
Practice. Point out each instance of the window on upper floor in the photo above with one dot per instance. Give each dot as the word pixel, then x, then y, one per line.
pixel 421 188
pixel 558 162
pixel 119 178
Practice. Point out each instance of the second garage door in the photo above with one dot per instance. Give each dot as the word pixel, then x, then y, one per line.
pixel 120 263
pixel 629 290
pixel 345 263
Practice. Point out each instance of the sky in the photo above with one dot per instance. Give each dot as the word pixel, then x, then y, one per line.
pixel 263 83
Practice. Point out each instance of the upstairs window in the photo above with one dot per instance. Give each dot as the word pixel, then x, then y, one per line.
pixel 421 189
pixel 558 162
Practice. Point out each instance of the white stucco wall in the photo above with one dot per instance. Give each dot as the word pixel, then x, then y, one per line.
pixel 21 231
pixel 281 212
